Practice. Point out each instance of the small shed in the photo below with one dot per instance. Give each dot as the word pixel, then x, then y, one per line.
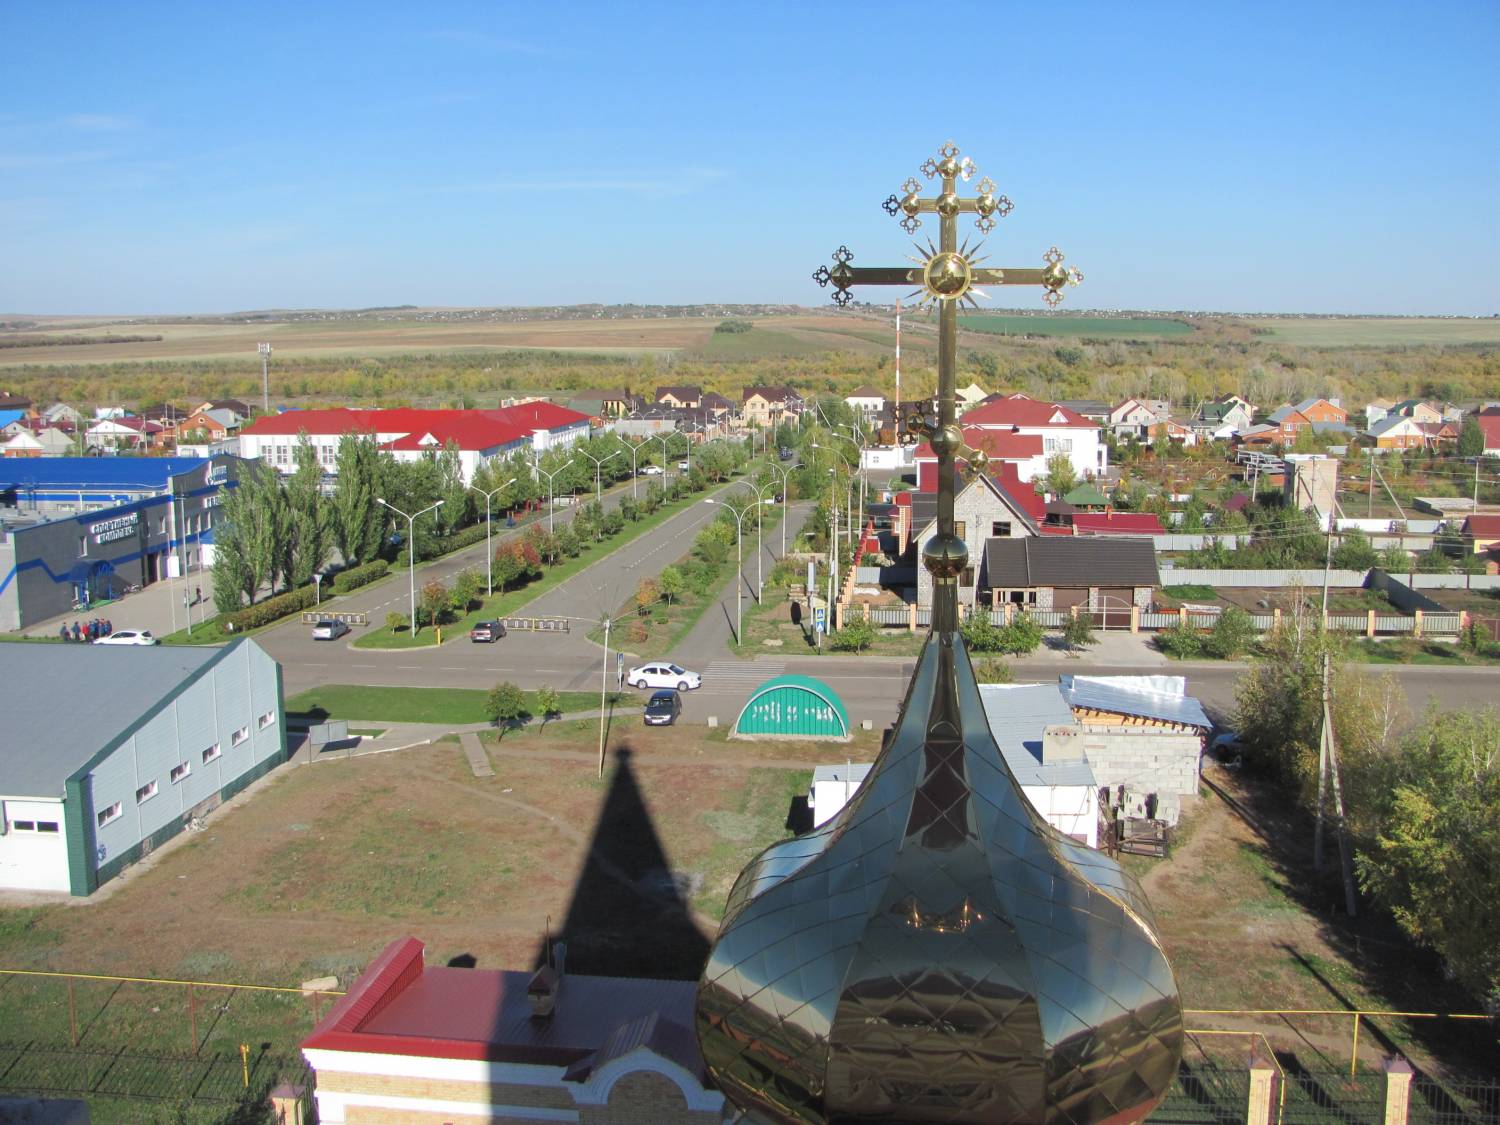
pixel 793 707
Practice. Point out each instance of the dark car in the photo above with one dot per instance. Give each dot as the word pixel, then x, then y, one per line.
pixel 663 708
pixel 487 631
pixel 784 453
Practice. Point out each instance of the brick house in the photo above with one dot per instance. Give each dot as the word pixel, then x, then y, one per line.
pixel 1397 431
pixel 1062 430
pixel 768 406
pixel 1024 451
pixel 206 425
pixel 1310 413
pixel 1107 574
pixel 983 509
pixel 683 398
pixel 416 1043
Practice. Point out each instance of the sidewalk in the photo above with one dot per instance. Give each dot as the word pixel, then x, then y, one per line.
pixel 405 736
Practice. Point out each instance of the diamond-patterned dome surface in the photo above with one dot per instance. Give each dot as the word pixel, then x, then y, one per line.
pixel 937 952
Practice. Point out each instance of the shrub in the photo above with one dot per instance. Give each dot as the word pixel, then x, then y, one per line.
pixel 1022 636
pixel 994 672
pixel 355 577
pixel 1232 634
pixel 394 620
pixel 637 634
pixel 1079 631
pixel 548 702
pixel 855 634
pixel 647 594
pixel 505 704
pixel 272 609
pixel 980 633
pixel 1180 640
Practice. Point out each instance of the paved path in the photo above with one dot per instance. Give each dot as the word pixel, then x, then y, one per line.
pixel 474 752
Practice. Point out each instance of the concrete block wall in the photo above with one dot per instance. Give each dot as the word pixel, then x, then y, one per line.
pixel 1144 760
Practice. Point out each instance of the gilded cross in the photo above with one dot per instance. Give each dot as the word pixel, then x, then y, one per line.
pixel 946 274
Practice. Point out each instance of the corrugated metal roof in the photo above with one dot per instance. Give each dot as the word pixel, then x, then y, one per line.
pixel 854 773
pixel 1018 715
pixel 1070 561
pixel 87 473
pixel 65 702
pixel 1134 695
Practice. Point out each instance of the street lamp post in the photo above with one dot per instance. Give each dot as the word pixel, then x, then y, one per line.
pixel 549 477
pixel 739 561
pixel 833 540
pixel 489 559
pixel 760 511
pixel 603 682
pixel 411 552
pixel 265 377
pixel 666 455
pixel 598 471
pixel 635 449
pixel 786 501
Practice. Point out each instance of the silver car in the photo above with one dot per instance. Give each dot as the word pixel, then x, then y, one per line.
pixel 330 629
pixel 128 637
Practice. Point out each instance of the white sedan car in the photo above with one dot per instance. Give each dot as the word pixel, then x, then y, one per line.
pixel 128 637
pixel 651 470
pixel 663 675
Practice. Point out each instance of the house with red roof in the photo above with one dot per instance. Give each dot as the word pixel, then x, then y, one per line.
pixel 1117 523
pixel 1062 429
pixel 1023 451
pixel 1489 423
pixel 1482 533
pixel 420 1043
pixel 408 434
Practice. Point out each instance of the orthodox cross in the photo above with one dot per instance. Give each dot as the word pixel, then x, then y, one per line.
pixel 946 274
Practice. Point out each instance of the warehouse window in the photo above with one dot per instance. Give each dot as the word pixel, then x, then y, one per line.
pixel 145 793
pixel 239 736
pixel 23 825
pixel 1000 528
pixel 211 753
pixel 83 546
pixel 180 771
pixel 46 826
pixel 267 719
pixel 112 813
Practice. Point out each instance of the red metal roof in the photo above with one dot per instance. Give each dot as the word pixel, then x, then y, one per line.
pixel 400 1007
pixel 1490 424
pixel 1000 445
pixel 1483 527
pixel 471 429
pixel 1019 410
pixel 1117 523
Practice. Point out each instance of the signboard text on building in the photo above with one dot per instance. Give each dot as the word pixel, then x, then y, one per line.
pixel 121 527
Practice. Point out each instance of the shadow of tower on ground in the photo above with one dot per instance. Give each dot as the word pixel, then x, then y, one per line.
pixel 629 915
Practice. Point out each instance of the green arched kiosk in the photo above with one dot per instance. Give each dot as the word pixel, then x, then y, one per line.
pixel 793 707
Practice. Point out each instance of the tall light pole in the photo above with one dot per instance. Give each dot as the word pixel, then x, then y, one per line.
pixel 549 476
pixel 786 501
pixel 598 471
pixel 489 559
pixel 833 540
pixel 265 377
pixel 411 550
pixel 739 561
pixel 760 511
pixel 603 682
pixel 635 449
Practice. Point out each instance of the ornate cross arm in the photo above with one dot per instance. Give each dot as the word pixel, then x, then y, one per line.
pixel 945 276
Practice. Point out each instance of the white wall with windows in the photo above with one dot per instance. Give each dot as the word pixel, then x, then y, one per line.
pixel 33 845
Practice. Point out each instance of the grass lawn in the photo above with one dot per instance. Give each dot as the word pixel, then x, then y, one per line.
pixel 457 706
pixel 512 602
pixel 1110 327
pixel 1414 650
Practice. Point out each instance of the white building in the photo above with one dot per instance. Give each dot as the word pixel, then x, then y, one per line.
pixel 409 435
pixel 1061 429
pixel 110 751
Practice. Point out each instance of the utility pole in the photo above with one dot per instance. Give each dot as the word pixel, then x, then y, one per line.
pixel 265 377
pixel 603 687
pixel 898 369
pixel 1328 766
pixel 1370 498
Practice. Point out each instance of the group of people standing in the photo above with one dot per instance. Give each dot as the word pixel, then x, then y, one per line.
pixel 87 630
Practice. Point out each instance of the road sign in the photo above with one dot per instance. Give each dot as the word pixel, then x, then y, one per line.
pixel 619 669
pixel 820 620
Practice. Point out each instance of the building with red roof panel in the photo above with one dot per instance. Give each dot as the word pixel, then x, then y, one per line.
pixel 1117 523
pixel 1062 429
pixel 1022 451
pixel 408 434
pixel 419 1043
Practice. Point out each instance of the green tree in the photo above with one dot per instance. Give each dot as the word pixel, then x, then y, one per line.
pixel 357 522
pixel 980 633
pixel 434 601
pixel 308 518
pixel 1181 640
pixel 394 620
pixel 1433 856
pixel 1232 634
pixel 1354 551
pixel 231 577
pixel 1060 478
pixel 1022 636
pixel 1078 632
pixel 1395 560
pixel 1433 561
pixel 1471 437
pixel 671 583
pixel 505 705
pixel 647 594
pixel 458 501
pixel 467 586
pixel 509 565
pixel 855 633
pixel 548 702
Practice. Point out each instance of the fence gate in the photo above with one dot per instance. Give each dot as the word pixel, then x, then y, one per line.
pixel 1488 626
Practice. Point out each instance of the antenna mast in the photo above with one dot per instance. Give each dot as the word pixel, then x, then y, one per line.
pixel 898 365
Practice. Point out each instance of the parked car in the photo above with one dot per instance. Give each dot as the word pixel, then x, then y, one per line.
pixel 487 631
pixel 128 637
pixel 330 629
pixel 1226 745
pixel 784 453
pixel 664 675
pixel 651 471
pixel 663 708
pixel 682 466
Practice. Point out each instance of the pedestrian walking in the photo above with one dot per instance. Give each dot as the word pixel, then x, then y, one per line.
pixel 77 631
pixel 63 629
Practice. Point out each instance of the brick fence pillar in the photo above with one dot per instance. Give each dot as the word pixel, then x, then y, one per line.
pixel 1398 1075
pixel 1135 619
pixel 911 618
pixel 1416 622
pixel 1276 618
pixel 1262 1087
pixel 1370 624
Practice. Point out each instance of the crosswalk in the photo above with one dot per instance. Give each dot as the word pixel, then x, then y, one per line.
pixel 741 674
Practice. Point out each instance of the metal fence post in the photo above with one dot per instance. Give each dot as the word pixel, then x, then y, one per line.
pixel 1262 1087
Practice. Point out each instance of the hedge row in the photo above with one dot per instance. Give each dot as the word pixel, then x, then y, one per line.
pixel 272 609
pixel 355 577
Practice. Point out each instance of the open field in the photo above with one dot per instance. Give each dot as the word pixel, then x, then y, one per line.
pixel 1093 327
pixel 813 333
pixel 1347 332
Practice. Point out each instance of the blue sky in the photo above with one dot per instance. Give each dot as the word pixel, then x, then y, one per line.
pixel 1326 157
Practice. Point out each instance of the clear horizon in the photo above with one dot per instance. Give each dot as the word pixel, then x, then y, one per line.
pixel 1272 159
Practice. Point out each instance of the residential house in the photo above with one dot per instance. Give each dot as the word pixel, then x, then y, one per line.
pixel 1489 424
pixel 61 414
pixel 1024 451
pixel 996 505
pixel 1310 413
pixel 1090 408
pixel 22 444
pixel 1166 430
pixel 1482 533
pixel 10 401
pixel 1110 522
pixel 13 422
pixel 768 406
pixel 1419 411
pixel 1222 418
pixel 207 426
pixel 683 398
pixel 1062 430
pixel 1397 431
pixel 1377 410
pixel 1440 433
pixel 124 431
pixel 1105 574
pixel 1134 418
pixel 240 410
pixel 716 406
pixel 867 402
pixel 972 395
pixel 604 404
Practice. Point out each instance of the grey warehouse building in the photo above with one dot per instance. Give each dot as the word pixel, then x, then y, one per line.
pixel 109 752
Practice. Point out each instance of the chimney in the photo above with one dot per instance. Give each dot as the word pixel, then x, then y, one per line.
pixel 546 983
pixel 1062 743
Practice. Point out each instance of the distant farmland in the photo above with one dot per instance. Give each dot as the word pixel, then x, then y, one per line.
pixel 1095 327
pixel 1377 332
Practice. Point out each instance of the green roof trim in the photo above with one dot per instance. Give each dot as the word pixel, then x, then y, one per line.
pixel 1086 496
pixel 794 706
